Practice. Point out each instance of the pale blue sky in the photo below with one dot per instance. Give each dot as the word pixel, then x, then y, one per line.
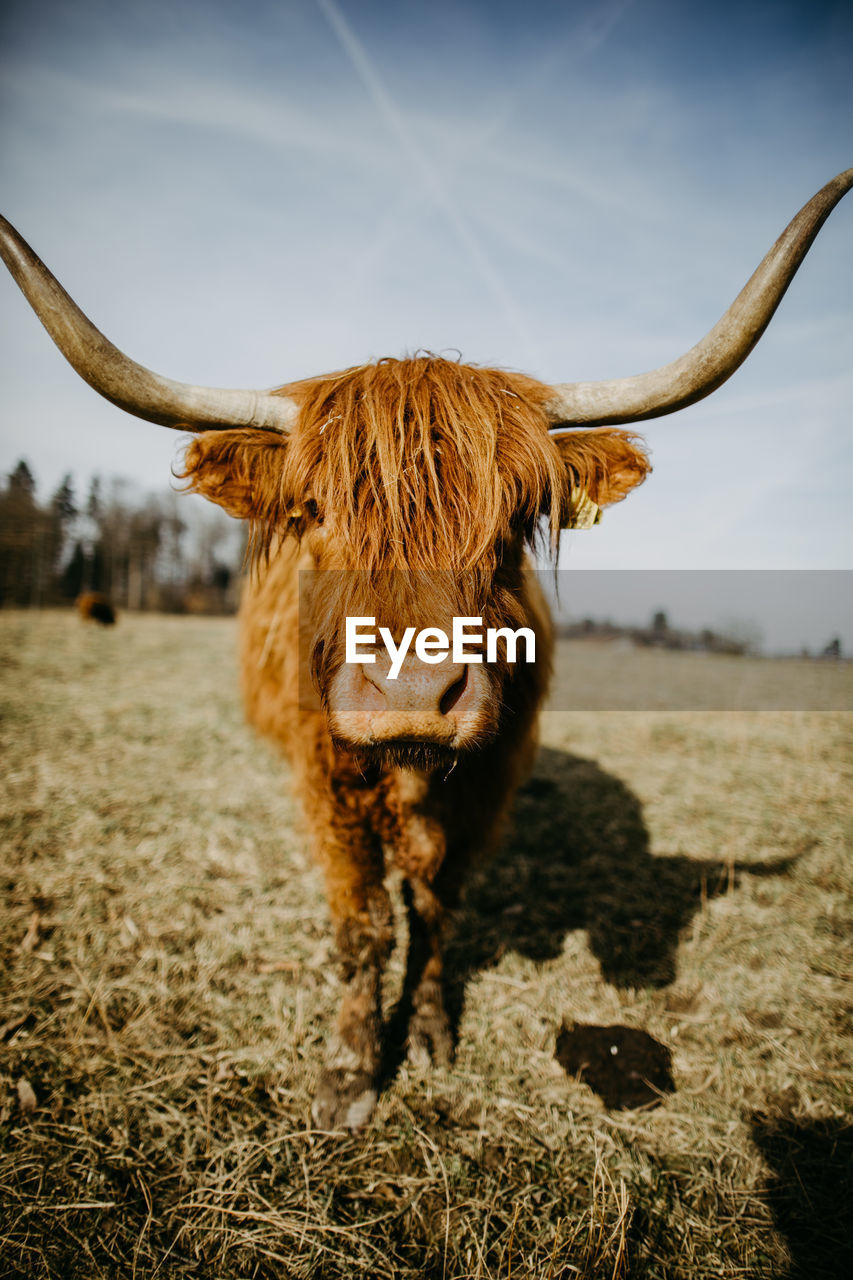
pixel 242 194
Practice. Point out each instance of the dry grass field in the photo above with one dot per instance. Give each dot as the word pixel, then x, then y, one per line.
pixel 168 983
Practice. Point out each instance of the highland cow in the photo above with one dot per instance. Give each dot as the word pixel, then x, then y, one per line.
pixel 94 606
pixel 411 491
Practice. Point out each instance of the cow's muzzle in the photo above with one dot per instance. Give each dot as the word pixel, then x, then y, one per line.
pixel 444 707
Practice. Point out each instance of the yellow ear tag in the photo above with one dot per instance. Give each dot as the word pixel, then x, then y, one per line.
pixel 584 513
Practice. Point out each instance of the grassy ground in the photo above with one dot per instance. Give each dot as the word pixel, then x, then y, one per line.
pixel 168 985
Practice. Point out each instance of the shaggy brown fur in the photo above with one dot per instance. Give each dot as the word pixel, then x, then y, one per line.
pixel 418 482
pixel 422 464
pixel 94 606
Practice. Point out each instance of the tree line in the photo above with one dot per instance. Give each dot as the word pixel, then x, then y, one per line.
pixel 144 551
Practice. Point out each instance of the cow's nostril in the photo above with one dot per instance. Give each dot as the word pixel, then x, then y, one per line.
pixel 453 693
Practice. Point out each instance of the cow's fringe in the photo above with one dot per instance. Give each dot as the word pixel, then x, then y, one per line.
pixel 425 463
pixel 416 464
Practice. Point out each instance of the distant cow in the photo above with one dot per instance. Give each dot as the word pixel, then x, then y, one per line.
pixel 94 606
pixel 412 489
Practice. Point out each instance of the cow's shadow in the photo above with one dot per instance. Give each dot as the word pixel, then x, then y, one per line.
pixel 577 857
pixel 810 1181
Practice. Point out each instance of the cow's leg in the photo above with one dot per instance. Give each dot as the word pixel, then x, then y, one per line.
pixel 430 1037
pixel 433 855
pixel 442 831
pixel 362 918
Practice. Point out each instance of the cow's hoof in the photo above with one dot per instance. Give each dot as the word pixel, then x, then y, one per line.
pixel 430 1040
pixel 344 1099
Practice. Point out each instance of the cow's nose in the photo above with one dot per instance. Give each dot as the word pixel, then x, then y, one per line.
pixel 445 703
pixel 419 687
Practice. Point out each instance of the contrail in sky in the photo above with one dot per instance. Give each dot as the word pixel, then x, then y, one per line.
pixel 580 41
pixel 427 172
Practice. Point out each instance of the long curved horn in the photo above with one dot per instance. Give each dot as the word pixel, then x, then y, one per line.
pixel 707 365
pixel 114 375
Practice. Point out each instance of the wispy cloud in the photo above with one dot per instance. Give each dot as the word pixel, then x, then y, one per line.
pixel 265 116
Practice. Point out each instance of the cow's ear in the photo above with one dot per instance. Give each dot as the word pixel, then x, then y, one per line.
pixel 603 466
pixel 239 470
